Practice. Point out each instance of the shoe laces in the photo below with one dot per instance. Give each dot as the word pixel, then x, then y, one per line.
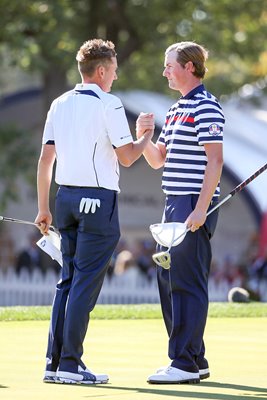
pixel 168 369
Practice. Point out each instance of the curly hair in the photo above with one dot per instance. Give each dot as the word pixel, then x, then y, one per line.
pixel 93 53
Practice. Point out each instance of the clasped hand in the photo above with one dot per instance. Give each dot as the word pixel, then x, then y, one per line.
pixel 145 124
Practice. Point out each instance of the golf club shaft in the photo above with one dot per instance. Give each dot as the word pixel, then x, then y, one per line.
pixel 237 189
pixel 18 221
pixel 21 221
pixel 162 258
pixel 240 187
pixel 248 180
pixel 210 211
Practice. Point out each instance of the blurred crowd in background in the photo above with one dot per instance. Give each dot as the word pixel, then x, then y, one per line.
pixel 248 272
pixel 133 261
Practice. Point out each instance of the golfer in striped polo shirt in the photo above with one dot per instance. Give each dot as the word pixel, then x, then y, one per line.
pixel 190 149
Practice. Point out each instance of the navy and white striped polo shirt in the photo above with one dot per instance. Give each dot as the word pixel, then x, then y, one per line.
pixel 196 119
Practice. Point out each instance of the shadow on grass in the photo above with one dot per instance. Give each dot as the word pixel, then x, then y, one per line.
pixel 152 389
pixel 234 386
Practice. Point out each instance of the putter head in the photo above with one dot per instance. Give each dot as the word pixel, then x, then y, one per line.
pixel 163 259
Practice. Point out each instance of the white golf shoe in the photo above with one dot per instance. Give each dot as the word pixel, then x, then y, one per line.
pixel 50 372
pixel 204 373
pixel 49 377
pixel 83 377
pixel 172 375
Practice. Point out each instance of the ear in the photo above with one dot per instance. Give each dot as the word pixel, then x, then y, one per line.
pixel 189 66
pixel 100 71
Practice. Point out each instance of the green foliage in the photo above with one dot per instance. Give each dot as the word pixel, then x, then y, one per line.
pixel 17 159
pixel 45 35
pixel 42 36
pixel 36 32
pixel 233 32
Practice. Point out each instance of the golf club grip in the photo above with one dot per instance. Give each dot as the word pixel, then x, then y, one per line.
pixel 248 180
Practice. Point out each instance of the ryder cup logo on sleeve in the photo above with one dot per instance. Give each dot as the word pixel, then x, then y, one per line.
pixel 89 205
pixel 214 129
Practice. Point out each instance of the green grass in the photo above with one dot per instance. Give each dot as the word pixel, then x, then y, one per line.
pixel 136 311
pixel 129 351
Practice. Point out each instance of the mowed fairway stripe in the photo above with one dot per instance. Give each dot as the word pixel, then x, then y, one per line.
pixel 129 351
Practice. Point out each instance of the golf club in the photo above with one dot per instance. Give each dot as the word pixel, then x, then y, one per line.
pixel 163 258
pixel 20 221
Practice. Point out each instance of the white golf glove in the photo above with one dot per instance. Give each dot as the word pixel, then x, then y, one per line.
pixel 89 205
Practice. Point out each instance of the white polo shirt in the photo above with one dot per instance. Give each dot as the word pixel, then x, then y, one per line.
pixel 85 125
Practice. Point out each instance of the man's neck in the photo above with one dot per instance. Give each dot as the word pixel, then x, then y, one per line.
pixel 190 86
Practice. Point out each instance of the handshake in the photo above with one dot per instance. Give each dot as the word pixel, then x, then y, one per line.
pixel 145 124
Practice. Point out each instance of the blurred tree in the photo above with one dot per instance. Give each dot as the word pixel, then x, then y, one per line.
pixel 17 159
pixel 235 34
pixel 43 36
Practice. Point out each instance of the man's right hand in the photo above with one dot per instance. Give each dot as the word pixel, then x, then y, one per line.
pixel 145 122
pixel 43 221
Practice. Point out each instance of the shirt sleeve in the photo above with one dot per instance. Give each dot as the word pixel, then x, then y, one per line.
pixel 48 134
pixel 161 138
pixel 117 124
pixel 209 122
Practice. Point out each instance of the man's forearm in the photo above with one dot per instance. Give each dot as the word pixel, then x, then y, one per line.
pixel 211 178
pixel 140 144
pixel 44 177
pixel 129 153
pixel 153 156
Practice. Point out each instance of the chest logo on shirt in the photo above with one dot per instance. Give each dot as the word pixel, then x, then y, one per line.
pixel 214 129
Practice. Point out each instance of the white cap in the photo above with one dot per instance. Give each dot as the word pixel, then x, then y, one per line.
pixel 169 233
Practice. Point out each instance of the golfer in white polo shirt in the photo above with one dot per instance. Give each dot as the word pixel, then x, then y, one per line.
pixel 87 133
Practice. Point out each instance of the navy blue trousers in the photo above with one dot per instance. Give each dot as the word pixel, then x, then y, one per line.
pixel 184 287
pixel 87 244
